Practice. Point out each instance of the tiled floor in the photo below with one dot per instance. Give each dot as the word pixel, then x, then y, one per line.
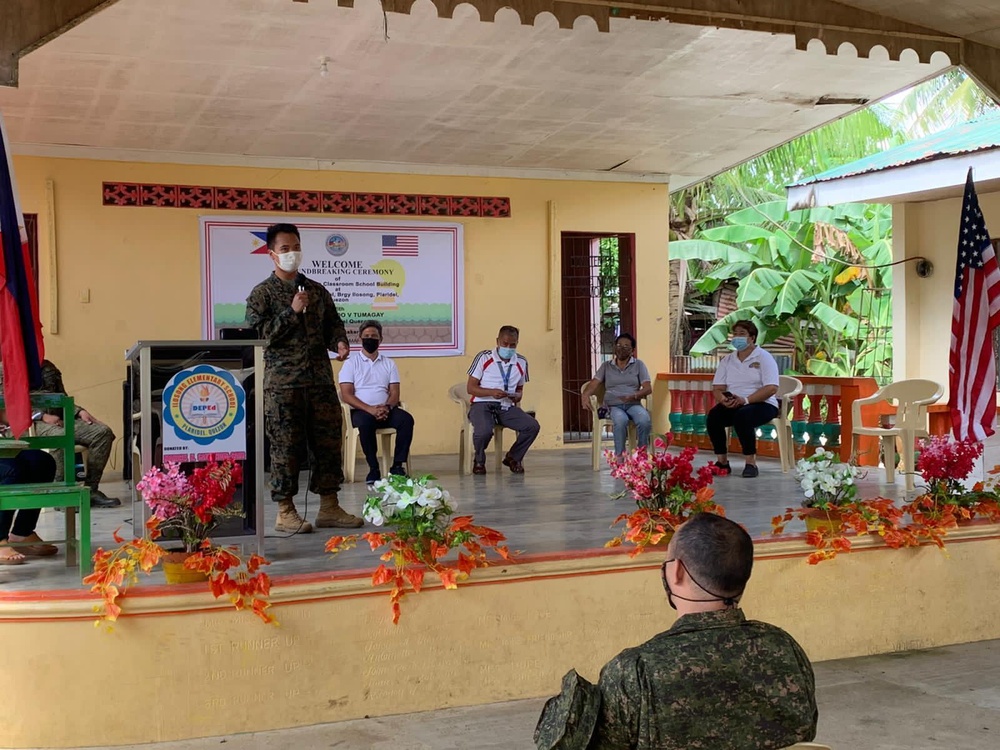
pixel 558 505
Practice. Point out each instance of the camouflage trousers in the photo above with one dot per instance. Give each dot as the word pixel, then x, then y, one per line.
pixel 97 438
pixel 304 421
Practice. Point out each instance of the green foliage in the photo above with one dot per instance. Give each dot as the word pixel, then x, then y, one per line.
pixel 798 275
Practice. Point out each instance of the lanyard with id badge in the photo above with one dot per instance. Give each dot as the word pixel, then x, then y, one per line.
pixel 496 407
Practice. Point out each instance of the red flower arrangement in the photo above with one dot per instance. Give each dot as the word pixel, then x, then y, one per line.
pixel 190 508
pixel 944 464
pixel 667 490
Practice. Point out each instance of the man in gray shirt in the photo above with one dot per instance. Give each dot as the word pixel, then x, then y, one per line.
pixel 626 382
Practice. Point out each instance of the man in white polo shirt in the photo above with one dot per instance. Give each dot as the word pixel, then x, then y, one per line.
pixel 496 384
pixel 369 384
pixel 744 388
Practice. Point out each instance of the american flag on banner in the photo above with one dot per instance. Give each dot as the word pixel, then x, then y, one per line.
pixel 972 377
pixel 399 246
pixel 20 329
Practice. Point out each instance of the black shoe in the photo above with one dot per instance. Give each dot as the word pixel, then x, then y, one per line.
pixel 99 500
pixel 750 471
pixel 479 469
pixel 373 476
pixel 398 470
pixel 725 468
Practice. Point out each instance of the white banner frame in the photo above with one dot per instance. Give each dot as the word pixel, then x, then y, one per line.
pixel 364 263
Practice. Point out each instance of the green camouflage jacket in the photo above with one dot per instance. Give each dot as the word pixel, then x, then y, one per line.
pixel 715 680
pixel 296 353
pixel 52 382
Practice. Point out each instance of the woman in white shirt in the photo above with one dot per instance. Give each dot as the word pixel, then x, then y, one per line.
pixel 744 387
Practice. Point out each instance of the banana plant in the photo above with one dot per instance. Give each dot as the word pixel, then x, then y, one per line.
pixel 804 274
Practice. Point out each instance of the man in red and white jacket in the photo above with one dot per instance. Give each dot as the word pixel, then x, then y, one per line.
pixel 496 384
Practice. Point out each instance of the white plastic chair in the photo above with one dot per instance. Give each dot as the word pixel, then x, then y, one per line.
pixel 912 398
pixel 598 424
pixel 460 395
pixel 788 389
pixel 386 441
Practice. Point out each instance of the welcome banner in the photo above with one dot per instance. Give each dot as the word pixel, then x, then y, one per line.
pixel 406 274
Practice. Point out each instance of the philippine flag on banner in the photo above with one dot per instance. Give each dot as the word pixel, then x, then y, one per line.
pixel 20 329
pixel 399 246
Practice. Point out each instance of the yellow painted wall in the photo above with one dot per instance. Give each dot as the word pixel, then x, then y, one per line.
pixel 140 267
pixel 922 307
pixel 337 656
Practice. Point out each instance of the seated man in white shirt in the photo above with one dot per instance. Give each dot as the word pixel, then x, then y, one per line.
pixel 369 384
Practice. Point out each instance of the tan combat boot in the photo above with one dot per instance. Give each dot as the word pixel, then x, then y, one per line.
pixel 289 519
pixel 332 515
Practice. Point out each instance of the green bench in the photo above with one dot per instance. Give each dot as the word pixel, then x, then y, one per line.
pixel 66 494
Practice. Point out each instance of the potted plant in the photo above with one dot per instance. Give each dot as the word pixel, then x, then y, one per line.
pixel 667 491
pixel 945 464
pixel 424 532
pixel 831 509
pixel 188 509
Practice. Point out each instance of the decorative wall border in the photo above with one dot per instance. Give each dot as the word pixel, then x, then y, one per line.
pixel 301 201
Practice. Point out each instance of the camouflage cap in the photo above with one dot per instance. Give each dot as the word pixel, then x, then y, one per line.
pixel 568 719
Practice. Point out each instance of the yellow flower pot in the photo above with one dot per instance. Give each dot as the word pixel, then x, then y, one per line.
pixel 175 572
pixel 818 519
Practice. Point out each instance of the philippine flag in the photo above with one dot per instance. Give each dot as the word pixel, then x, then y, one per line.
pixel 20 329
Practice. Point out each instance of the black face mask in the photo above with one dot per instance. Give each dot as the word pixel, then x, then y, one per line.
pixel 370 345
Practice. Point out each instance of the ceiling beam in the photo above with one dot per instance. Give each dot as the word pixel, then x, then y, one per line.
pixel 28 24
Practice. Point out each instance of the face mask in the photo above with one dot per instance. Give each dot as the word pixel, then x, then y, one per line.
pixel 506 352
pixel 740 343
pixel 370 345
pixel 623 353
pixel 729 601
pixel 288 261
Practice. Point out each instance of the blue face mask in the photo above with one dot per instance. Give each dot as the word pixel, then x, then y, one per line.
pixel 740 343
pixel 506 352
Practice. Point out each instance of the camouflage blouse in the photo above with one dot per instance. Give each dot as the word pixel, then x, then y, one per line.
pixel 296 353
pixel 714 680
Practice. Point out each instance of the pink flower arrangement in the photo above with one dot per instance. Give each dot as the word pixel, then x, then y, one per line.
pixel 191 505
pixel 667 490
pixel 659 479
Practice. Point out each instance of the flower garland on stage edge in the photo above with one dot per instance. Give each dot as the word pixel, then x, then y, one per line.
pixel 830 504
pixel 191 507
pixel 420 512
pixel 667 491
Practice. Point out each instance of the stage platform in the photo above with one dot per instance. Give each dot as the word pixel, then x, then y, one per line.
pixel 192 666
pixel 559 506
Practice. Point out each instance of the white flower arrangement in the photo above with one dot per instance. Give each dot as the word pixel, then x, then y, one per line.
pixel 826 480
pixel 412 505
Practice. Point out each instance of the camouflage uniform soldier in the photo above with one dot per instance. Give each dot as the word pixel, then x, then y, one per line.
pixel 92 434
pixel 297 318
pixel 714 680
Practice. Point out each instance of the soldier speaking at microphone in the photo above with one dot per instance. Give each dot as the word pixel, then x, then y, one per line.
pixel 300 325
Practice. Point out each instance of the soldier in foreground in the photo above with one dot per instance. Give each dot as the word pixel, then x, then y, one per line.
pixel 300 323
pixel 713 680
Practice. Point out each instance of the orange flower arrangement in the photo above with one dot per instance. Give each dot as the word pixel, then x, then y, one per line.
pixel 667 491
pixel 189 508
pixel 425 533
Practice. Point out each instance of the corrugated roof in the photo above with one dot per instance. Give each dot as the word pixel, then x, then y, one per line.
pixel 981 134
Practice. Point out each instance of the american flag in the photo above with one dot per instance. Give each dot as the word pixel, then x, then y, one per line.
pixel 972 377
pixel 399 246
